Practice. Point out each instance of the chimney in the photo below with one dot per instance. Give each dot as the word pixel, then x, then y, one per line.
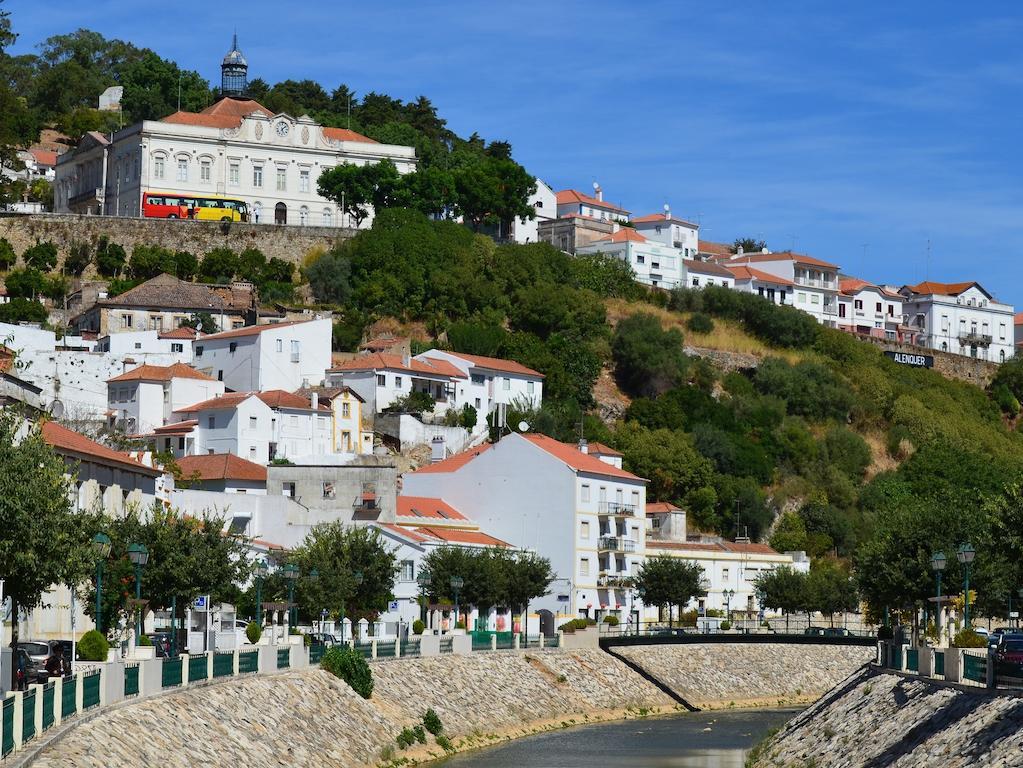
pixel 437 450
pixel 406 357
pixel 667 211
pixel 598 192
pixel 584 447
pixel 738 251
pixel 315 401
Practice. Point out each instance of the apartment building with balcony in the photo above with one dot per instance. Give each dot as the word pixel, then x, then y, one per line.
pixel 872 310
pixel 815 287
pixel 671 231
pixel 748 279
pixel 653 263
pixel 962 318
pixel 581 510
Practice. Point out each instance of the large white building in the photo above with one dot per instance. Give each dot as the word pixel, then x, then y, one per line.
pixel 579 509
pixel 671 231
pixel 959 317
pixel 815 288
pixel 143 399
pixel 652 263
pixel 236 147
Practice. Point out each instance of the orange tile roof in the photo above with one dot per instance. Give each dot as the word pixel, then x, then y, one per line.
pixel 929 287
pixel 706 268
pixel 407 532
pixel 343 134
pixel 200 120
pixel 44 157
pixel 222 466
pixel 184 332
pixel 623 235
pixel 737 547
pixel 63 440
pixel 569 196
pixel 236 107
pixel 497 364
pixel 1018 318
pixel 718 249
pixel 599 449
pixel 383 361
pixel 422 506
pixel 229 400
pixel 462 536
pixel 798 258
pixel 177 427
pixel 577 460
pixel 661 507
pixel 656 218
pixel 226 113
pixel 251 330
pixel 278 398
pixel 162 373
pixel 750 273
pixel 456 462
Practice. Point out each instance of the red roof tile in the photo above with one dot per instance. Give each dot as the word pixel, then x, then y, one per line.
pixel 278 398
pixel 576 459
pixel 798 258
pixel 656 218
pixel 661 507
pixel 718 249
pixel 422 506
pixel 599 449
pixel 929 287
pixel 407 532
pixel 251 330
pixel 229 400
pixel 750 273
pixel 226 113
pixel 177 427
pixel 497 364
pixel 184 332
pixel 383 361
pixel 623 235
pixel 44 157
pixel 462 536
pixel 456 462
pixel 720 546
pixel 63 440
pixel 706 268
pixel 569 196
pixel 162 373
pixel 343 134
pixel 222 466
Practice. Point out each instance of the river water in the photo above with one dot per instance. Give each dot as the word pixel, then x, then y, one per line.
pixel 695 740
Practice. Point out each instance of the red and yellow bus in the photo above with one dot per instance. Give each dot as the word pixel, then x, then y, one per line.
pixel 181 205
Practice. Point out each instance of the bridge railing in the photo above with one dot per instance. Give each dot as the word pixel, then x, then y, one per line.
pixel 965 666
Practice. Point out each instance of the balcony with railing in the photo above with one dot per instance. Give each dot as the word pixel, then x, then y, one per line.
pixel 615 544
pixel 831 309
pixel 616 509
pixel 615 580
pixel 975 339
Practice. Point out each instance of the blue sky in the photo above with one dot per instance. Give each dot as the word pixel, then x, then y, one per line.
pixel 858 133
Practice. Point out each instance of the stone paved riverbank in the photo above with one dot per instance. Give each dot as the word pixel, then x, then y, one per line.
pixel 875 718
pixel 312 718
pixel 716 675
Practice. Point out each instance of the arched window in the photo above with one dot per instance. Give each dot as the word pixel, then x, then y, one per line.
pixel 303 215
pixel 1001 356
pixel 328 217
pixel 944 346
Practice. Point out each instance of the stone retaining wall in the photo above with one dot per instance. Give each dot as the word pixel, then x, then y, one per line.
pixel 196 237
pixel 748 674
pixel 877 718
pixel 311 718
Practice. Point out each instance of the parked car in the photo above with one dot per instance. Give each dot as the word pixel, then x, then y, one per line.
pixel 837 632
pixel 1011 650
pixel 324 638
pixel 815 631
pixel 38 650
pixel 1008 637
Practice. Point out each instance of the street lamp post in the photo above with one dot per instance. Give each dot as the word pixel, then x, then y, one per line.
pixel 139 556
pixel 313 576
pixel 938 562
pixel 965 555
pixel 101 548
pixel 1020 594
pixel 357 579
pixel 456 586
pixel 290 572
pixel 424 585
pixel 262 568
pixel 728 594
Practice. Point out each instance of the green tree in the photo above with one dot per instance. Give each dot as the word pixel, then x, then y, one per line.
pixel 23 311
pixel 748 245
pixel 789 534
pixel 153 87
pixel 78 258
pixel 44 541
pixel 648 359
pixel 493 190
pixel 783 589
pixel 476 338
pixel 185 265
pixel 201 321
pixel 847 451
pixel 110 257
pixel 831 589
pixel 25 283
pixel 666 458
pixel 7 255
pixel 669 582
pixel 219 265
pixel 41 256
pixel 351 187
pixel 330 278
pixel 148 261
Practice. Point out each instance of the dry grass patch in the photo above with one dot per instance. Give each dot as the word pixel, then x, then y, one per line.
pixel 880 459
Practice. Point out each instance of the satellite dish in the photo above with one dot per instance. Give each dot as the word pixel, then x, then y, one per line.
pixel 56 409
pixel 523 426
pixel 596 185
pixel 667 207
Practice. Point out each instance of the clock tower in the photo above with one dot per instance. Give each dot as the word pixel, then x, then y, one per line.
pixel 234 72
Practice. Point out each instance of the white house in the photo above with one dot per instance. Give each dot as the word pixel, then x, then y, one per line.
pixel 871 310
pixel 490 382
pixel 962 318
pixel 671 231
pixel 236 148
pixel 177 343
pixel 652 263
pixel 699 274
pixel 748 279
pixel 572 202
pixel 381 378
pixel 144 398
pixel 258 358
pixel 545 203
pixel 815 282
pixel 583 512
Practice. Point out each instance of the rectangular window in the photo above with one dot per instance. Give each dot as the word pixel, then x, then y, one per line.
pixel 346 410
pixel 724 575
pixel 381 380
pixel 158 169
pixel 477 378
pixel 252 453
pixel 293 420
pixel 478 404
pixel 205 171
pixel 234 174
pixel 198 351
pixel 696 282
pixel 126 321
pixel 328 490
pixel 584 494
pixel 635 499
pixel 253 422
pixel 232 347
pixel 296 350
pixel 506 384
pixel 303 180
pixel 280 345
pixel 397 382
pixel 529 387
pixel 181 443
pixel 1001 331
pixel 288 489
pixel 408 570
pixel 282 179
pixel 257 176
pixel 182 169
pixel 584 530
pixel 177 347
pixel 584 566
pixel 815 298
pixel 877 307
pixel 801 297
pixel 211 422
pixel 858 304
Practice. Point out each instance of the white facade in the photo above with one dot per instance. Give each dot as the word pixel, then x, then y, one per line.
pixel 145 343
pixel 869 309
pixel 815 282
pixel 380 379
pixel 550 497
pixel 699 274
pixel 259 358
pixel 490 382
pixel 652 263
pixel 962 318
pixel 545 203
pixel 145 398
pixel 572 202
pixel 670 231
pixel 235 148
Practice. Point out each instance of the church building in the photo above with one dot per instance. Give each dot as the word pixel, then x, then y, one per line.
pixel 236 148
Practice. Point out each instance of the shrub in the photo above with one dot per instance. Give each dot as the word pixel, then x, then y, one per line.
pixel 7 255
pixel 348 664
pixel 110 257
pixel 700 323
pixel 476 338
pixel 469 417
pixel 145 642
pixel 78 258
pixel 432 723
pixel 253 632
pixel 648 360
pixel 444 743
pixel 406 738
pixel 93 646
pixel 420 733
pixel 416 403
pixel 23 310
pixel 41 256
pixel 967 638
pixel 611 621
pixel 418 626
pixel 726 625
